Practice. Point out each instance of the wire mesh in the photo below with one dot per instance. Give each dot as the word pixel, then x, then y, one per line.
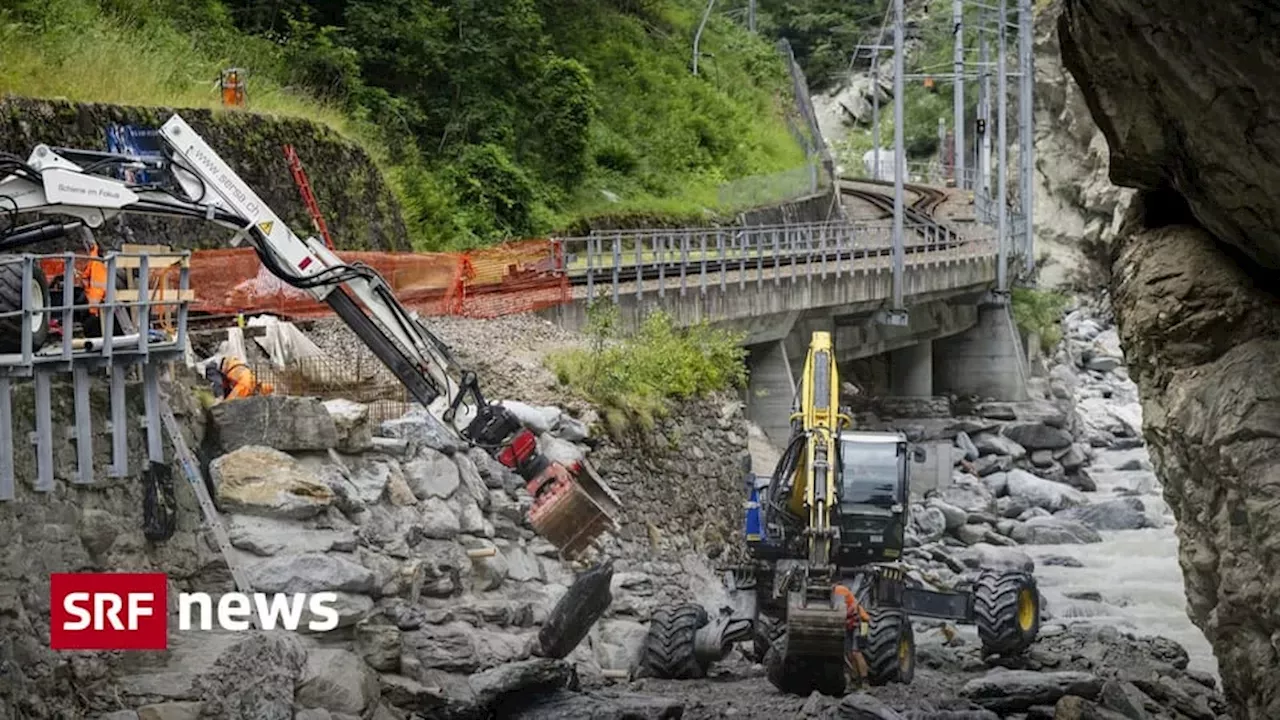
pixel 358 378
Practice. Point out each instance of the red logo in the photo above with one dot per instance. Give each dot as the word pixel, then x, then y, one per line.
pixel 108 611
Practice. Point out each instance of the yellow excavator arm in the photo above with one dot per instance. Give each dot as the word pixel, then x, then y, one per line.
pixel 813 492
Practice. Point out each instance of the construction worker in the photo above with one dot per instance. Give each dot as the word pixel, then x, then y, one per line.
pixel 232 379
pixel 857 624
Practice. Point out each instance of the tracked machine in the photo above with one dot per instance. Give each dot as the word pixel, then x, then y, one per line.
pixel 824 598
pixel 572 506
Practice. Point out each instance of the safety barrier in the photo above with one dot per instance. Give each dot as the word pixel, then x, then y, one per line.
pixel 512 278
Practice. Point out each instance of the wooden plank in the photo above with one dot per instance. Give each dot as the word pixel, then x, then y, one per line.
pixel 157 296
pixel 156 261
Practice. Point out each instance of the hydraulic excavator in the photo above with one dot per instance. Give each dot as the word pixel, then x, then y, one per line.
pixel 825 599
pixel 572 506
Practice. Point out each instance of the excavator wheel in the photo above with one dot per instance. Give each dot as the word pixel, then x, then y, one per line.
pixel 766 632
pixel 803 675
pixel 891 648
pixel 1006 608
pixel 11 301
pixel 669 647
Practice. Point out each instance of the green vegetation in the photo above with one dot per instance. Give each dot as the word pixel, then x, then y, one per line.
pixel 633 379
pixel 822 33
pixel 491 118
pixel 1040 312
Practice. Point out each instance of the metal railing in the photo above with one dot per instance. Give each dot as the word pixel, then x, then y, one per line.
pixel 677 259
pixel 160 336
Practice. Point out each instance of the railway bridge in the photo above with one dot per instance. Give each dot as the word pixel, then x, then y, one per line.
pixel 891 313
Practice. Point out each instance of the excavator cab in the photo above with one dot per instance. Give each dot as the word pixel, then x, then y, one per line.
pixel 873 497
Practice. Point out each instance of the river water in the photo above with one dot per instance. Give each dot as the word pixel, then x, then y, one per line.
pixel 1135 572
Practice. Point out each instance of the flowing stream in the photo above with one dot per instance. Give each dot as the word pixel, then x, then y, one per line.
pixel 1135 572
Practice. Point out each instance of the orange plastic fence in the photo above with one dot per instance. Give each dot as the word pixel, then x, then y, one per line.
pixel 508 279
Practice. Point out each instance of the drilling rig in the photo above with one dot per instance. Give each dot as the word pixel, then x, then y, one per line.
pixel 825 598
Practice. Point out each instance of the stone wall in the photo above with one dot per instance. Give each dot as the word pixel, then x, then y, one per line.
pixel 359 207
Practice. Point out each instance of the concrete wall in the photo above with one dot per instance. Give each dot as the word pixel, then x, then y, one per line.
pixel 815 208
pixel 935 471
pixel 771 389
pixel 911 370
pixel 985 361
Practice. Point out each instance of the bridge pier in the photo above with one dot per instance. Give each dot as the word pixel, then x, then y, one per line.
pixel 771 389
pixel 985 360
pixel 911 370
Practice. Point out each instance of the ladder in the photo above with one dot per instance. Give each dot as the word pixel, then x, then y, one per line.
pixel 212 520
pixel 308 198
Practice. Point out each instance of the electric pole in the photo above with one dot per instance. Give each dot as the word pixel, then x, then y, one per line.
pixel 1002 122
pixel 957 87
pixel 751 15
pixel 983 183
pixel 899 152
pixel 1026 134
pixel 875 113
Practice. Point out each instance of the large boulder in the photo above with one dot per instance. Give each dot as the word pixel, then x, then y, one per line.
pixel 993 444
pixel 352 423
pixel 309 572
pixel 1008 691
pixel 258 480
pixel 1124 513
pixel 967 493
pixel 1037 435
pixel 1041 493
pixel 283 422
pixel 255 678
pixel 1053 531
pixel 337 680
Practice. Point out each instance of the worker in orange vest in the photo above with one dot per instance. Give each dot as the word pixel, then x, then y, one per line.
pixel 857 624
pixel 233 379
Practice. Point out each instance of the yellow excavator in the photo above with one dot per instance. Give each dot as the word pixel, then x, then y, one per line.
pixel 824 599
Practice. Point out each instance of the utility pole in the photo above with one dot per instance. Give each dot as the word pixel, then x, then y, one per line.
pixel 697 36
pixel 1026 150
pixel 899 153
pixel 984 103
pixel 957 87
pixel 751 15
pixel 875 113
pixel 1002 121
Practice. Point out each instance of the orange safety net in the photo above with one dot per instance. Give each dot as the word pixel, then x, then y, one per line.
pixel 513 278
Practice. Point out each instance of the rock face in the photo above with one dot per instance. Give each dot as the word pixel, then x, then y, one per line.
pixel 1203 345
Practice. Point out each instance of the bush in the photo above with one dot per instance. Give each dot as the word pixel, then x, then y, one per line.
pixel 1039 311
pixel 633 379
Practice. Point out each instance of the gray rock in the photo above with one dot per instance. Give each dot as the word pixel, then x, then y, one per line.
pixel 996 557
pixel 599 705
pixel 370 477
pixel 972 534
pixel 126 715
pixel 1017 690
pixel 255 678
pixel 561 451
pixel 527 677
pixel 996 411
pixel 969 495
pixel 571 429
pixel 474 485
pixel 410 694
pixel 861 706
pixel 461 647
pixel 1054 531
pixel 1072 458
pixel 432 474
pixel 169 711
pixel 954 516
pixel 439 521
pixel 266 536
pixel 539 419
pixel 616 643
pixel 1036 435
pixel 1010 506
pixel 966 445
pixel 1125 513
pixel 1062 561
pixel 1042 458
pixel 521 565
pixel 1126 699
pixel 422 430
pixel 352 424
pixel 337 680
pixel 1103 363
pixel 989 464
pixel 993 444
pixel 1041 493
pixel 283 422
pixel 930 523
pixel 262 481
pixel 378 645
pixel 309 572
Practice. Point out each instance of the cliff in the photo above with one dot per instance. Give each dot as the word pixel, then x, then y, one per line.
pixel 359 207
pixel 1186 99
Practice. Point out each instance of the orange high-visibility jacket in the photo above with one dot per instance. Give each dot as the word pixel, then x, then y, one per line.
pixel 239 381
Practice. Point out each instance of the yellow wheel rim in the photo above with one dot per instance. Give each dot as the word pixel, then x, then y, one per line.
pixel 1026 610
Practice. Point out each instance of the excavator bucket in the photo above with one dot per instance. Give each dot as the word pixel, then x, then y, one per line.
pixel 573 507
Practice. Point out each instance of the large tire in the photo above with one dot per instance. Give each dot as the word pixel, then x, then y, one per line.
pixel 11 301
pixel 801 676
pixel 767 630
pixel 669 647
pixel 891 648
pixel 1006 608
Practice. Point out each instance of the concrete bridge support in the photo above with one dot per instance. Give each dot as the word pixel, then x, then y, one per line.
pixel 985 360
pixel 770 390
pixel 911 370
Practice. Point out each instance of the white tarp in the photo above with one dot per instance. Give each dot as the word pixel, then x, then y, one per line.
pixel 886 163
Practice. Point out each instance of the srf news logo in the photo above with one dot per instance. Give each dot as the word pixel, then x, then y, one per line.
pixel 129 611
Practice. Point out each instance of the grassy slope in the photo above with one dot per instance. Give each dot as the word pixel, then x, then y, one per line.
pixel 658 141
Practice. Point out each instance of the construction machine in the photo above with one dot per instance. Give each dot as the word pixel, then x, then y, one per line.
pixel 824 598
pixel 571 506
